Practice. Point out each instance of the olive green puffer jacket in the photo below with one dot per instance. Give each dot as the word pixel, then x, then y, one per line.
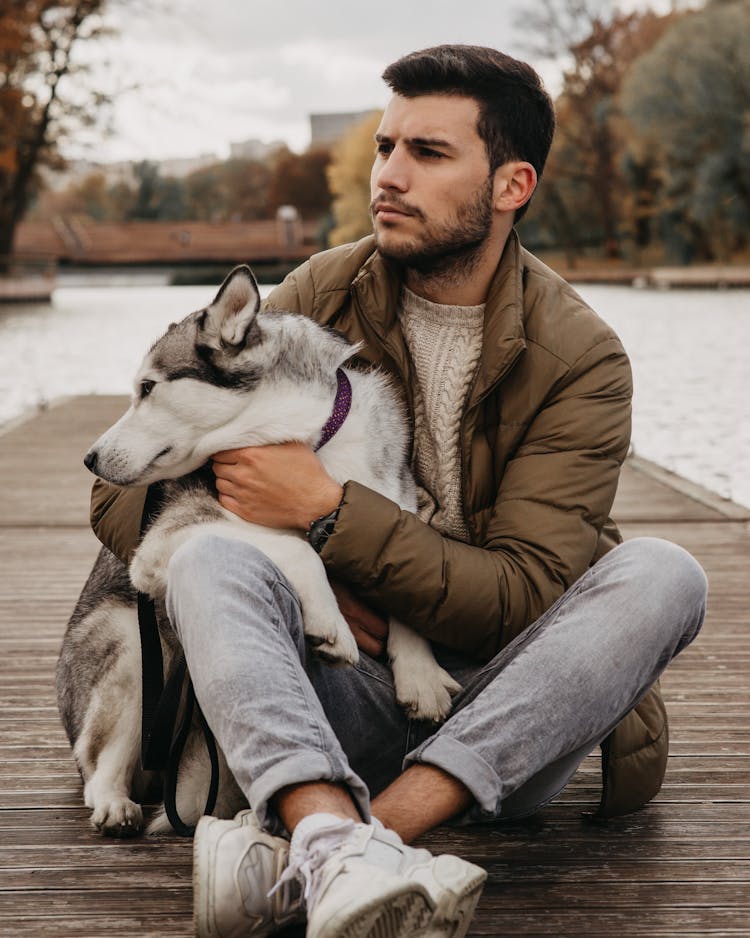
pixel 543 435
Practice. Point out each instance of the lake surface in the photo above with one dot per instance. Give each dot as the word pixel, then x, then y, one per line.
pixel 689 351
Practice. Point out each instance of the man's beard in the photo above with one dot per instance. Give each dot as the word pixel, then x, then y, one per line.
pixel 452 251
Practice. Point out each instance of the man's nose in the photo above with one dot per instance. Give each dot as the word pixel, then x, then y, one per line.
pixel 393 173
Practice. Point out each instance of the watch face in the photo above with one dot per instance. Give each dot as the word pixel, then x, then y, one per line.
pixel 321 530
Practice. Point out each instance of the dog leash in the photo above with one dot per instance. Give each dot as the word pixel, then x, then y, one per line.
pixel 161 747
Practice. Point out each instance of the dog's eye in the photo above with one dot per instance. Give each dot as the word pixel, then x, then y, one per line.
pixel 146 388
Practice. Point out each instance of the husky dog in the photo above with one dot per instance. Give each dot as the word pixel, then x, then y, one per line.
pixel 225 377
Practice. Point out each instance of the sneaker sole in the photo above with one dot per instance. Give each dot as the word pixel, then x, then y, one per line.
pixel 204 848
pixel 410 914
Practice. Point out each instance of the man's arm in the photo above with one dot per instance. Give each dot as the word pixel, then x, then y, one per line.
pixel 541 534
pixel 554 497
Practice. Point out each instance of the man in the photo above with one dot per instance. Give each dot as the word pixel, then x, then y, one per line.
pixel 520 402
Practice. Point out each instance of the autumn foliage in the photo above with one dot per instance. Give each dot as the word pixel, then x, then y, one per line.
pixel 37 43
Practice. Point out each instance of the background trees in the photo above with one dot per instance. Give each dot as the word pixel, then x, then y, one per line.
pixel 652 148
pixel 688 100
pixel 349 181
pixel 37 43
pixel 299 179
pixel 585 197
pixel 651 159
pixel 230 190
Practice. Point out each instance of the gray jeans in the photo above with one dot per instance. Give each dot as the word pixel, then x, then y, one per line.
pixel 519 728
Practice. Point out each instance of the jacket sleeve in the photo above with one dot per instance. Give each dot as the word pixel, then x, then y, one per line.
pixel 554 497
pixel 116 517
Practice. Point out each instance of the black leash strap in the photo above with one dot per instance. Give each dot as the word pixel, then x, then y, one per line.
pixel 152 663
pixel 161 702
pixel 175 757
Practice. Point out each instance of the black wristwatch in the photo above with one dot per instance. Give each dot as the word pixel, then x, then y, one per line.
pixel 321 529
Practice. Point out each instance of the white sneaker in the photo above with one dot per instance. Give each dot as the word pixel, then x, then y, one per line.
pixel 362 881
pixel 236 865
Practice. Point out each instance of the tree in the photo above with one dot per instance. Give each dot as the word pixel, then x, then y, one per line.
pixel 688 99
pixel 300 180
pixel 233 191
pixel 37 42
pixel 349 181
pixel 584 173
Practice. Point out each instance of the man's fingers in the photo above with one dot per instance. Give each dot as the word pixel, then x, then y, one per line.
pixel 372 623
pixel 231 504
pixel 358 613
pixel 367 643
pixel 225 471
pixel 228 456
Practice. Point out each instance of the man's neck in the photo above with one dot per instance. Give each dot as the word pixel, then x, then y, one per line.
pixel 462 287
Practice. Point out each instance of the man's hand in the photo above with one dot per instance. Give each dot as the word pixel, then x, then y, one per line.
pixel 278 486
pixel 369 629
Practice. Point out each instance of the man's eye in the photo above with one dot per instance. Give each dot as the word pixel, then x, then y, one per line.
pixel 384 148
pixel 146 387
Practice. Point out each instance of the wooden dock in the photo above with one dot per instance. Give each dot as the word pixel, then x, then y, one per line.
pixel 679 867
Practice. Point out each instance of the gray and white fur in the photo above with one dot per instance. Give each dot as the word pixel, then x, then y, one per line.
pixel 225 377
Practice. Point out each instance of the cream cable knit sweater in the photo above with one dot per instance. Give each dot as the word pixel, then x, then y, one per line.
pixel 444 343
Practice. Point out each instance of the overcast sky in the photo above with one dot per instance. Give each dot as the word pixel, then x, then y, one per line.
pixel 204 73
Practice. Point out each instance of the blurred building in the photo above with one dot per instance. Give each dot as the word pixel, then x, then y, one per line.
pixel 327 129
pixel 254 149
pixel 184 165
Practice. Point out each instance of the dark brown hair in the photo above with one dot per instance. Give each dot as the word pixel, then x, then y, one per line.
pixel 516 115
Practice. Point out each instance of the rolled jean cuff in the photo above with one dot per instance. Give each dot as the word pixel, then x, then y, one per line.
pixel 463 764
pixel 295 770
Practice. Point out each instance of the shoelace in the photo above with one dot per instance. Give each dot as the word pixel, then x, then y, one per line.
pixel 309 858
pixel 286 894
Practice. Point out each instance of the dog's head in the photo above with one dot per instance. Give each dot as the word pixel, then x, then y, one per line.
pixel 214 381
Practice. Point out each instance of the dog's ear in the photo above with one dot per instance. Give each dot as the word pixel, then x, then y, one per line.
pixel 230 321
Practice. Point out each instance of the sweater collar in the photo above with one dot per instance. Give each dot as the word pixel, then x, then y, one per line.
pixel 377 286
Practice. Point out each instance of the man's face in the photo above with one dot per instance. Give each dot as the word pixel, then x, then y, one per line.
pixel 432 194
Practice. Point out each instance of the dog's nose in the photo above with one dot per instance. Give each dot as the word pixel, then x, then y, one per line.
pixel 89 460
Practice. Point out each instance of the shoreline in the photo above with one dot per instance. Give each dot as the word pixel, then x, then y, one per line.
pixel 694 277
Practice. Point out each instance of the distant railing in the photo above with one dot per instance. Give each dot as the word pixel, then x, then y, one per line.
pixel 81 241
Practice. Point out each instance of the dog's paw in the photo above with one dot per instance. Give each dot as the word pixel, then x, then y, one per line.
pixel 119 817
pixel 331 638
pixel 148 575
pixel 425 692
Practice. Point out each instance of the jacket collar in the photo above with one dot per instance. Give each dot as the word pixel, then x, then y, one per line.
pixel 378 284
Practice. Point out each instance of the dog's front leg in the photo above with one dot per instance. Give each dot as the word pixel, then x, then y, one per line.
pixel 149 567
pixel 422 686
pixel 325 627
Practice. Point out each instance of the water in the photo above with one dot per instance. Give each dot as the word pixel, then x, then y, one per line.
pixel 688 349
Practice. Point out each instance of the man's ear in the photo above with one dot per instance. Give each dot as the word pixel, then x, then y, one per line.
pixel 514 185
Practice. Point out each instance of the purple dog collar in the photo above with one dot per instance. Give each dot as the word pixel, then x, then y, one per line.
pixel 341 406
